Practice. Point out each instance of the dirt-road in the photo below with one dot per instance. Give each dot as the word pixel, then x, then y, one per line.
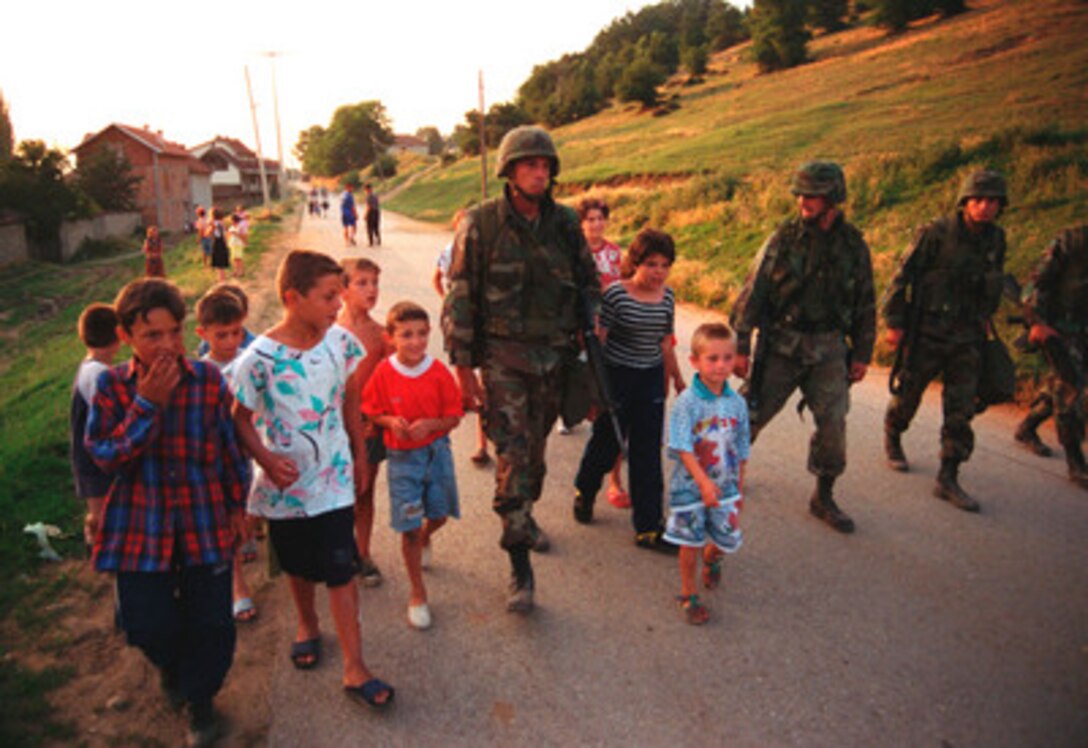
pixel 929 626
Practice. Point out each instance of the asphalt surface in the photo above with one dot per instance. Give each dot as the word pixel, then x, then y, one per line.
pixel 929 626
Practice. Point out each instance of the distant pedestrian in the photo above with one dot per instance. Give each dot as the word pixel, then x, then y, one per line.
pixel 298 382
pixel 709 439
pixel 154 267
pixel 349 215
pixel 373 217
pixel 161 425
pixel 416 402
pixel 98 332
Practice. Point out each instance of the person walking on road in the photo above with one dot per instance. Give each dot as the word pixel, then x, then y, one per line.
pixel 1058 306
pixel 937 308
pixel 810 294
pixel 520 270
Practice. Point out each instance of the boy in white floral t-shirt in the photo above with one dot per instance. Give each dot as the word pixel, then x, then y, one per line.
pixel 300 379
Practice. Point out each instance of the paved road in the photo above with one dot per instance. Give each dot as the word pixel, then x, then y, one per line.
pixel 928 627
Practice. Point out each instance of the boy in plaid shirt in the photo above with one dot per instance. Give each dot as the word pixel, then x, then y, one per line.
pixel 161 425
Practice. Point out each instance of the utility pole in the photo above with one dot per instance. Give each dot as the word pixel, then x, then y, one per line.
pixel 272 55
pixel 257 137
pixel 483 144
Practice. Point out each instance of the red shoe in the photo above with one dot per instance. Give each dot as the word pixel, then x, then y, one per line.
pixel 618 498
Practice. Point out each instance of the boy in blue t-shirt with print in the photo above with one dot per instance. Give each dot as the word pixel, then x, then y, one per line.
pixel 709 438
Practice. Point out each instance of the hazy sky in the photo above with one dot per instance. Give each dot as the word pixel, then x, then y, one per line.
pixel 70 68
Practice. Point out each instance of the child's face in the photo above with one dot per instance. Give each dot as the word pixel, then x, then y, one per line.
pixel 410 341
pixel 653 272
pixel 223 340
pixel 715 362
pixel 319 306
pixel 361 293
pixel 157 336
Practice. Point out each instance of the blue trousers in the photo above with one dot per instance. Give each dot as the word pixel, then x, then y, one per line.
pixel 181 620
pixel 640 395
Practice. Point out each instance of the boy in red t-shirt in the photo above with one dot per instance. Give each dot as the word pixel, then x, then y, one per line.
pixel 415 399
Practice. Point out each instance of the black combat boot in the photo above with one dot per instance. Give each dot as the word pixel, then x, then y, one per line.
pixel 521 582
pixel 583 508
pixel 948 487
pixel 1029 439
pixel 823 506
pixel 893 450
pixel 1074 458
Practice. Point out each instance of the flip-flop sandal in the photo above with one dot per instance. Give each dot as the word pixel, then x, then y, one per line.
pixel 244 610
pixel 305 654
pixel 368 693
pixel 695 612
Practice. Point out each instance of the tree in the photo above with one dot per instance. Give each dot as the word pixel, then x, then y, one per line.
pixel 356 135
pixel 435 142
pixel 779 38
pixel 106 177
pixel 639 82
pixel 7 133
pixel 828 14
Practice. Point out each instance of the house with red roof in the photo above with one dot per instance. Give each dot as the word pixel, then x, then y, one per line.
pixel 236 171
pixel 172 182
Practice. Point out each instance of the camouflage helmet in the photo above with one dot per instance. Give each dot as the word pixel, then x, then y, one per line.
pixel 823 178
pixel 983 183
pixel 526 141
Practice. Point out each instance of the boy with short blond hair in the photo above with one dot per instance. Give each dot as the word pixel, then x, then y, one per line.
pixel 98 332
pixel 709 438
pixel 361 276
pixel 301 378
pixel 161 425
pixel 415 399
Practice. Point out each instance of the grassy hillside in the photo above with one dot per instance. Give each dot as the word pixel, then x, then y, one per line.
pixel 1003 85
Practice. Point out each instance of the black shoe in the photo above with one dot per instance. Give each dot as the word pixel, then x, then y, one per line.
pixel 655 541
pixel 583 508
pixel 948 488
pixel 828 511
pixel 893 450
pixel 1029 439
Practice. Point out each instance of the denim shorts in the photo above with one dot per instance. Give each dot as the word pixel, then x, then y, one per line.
pixel 421 484
pixel 692 524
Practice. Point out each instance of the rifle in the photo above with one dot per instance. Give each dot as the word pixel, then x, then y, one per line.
pixel 1053 349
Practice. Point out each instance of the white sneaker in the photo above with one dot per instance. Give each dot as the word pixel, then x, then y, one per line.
pixel 419 617
pixel 425 557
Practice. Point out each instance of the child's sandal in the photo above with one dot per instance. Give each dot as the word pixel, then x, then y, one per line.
pixel 695 612
pixel 712 573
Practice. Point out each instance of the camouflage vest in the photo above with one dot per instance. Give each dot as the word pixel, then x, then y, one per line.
pixel 529 291
pixel 813 277
pixel 960 280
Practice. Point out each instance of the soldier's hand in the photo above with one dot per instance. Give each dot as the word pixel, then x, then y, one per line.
pixel 857 371
pixel 1040 333
pixel 893 337
pixel 740 366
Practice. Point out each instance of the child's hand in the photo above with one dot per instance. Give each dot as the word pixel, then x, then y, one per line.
pixel 419 429
pixel 710 494
pixel 281 470
pixel 157 381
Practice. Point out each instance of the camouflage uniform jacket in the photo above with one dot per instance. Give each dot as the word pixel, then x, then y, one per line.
pixel 516 287
pixel 956 276
pixel 805 280
pixel 1059 295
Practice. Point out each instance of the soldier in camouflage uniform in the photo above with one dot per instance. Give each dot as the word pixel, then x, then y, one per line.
pixel 810 294
pixel 1058 306
pixel 949 283
pixel 520 267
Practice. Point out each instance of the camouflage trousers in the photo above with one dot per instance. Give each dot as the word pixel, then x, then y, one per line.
pixel 957 364
pixel 818 368
pixel 1064 398
pixel 521 410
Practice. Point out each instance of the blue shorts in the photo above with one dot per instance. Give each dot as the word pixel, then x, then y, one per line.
pixel 421 484
pixel 692 524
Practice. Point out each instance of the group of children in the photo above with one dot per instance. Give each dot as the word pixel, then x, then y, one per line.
pixel 173 454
